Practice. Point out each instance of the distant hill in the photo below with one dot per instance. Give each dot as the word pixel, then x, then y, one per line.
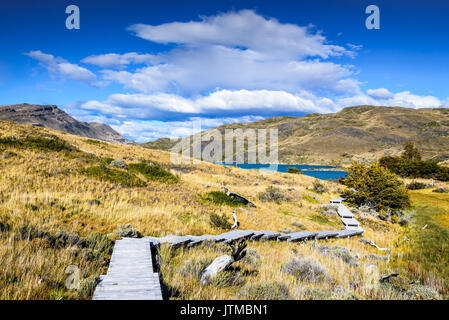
pixel 355 133
pixel 51 117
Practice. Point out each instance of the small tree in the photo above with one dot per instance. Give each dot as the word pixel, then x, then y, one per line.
pixel 376 186
pixel 411 152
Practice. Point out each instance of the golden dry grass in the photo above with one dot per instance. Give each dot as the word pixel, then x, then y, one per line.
pixel 47 190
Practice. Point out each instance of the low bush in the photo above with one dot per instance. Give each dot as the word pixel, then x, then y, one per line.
pixel 220 221
pixel 294 170
pixel 441 190
pixel 128 231
pixel 220 198
pixel 318 187
pixel 306 269
pixel 194 268
pixel 415 185
pixel 338 252
pixel 104 173
pixel 228 278
pixel 42 143
pixel 272 193
pixel 154 172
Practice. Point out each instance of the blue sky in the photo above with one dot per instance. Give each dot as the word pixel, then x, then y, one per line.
pixel 151 68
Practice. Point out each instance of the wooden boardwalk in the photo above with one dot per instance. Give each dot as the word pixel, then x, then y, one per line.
pixel 131 277
pixel 130 274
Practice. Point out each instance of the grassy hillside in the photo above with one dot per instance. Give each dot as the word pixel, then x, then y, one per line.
pixel 355 133
pixel 60 200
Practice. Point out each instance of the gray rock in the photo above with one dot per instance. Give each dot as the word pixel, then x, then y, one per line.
pixel 119 164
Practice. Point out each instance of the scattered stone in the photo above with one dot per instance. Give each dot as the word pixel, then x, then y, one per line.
pixel 127 231
pixel 119 164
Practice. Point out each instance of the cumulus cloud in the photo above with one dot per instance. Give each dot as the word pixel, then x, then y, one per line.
pixel 244 29
pixel 114 60
pixel 234 50
pixel 404 99
pixel 60 68
pixel 380 93
pixel 221 102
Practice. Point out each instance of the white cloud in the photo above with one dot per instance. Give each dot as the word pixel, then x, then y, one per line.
pixel 58 67
pixel 234 50
pixel 147 130
pixel 114 60
pixel 380 93
pixel 244 29
pixel 406 99
pixel 221 102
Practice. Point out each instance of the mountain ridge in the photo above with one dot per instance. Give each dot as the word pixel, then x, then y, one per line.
pixel 363 133
pixel 51 117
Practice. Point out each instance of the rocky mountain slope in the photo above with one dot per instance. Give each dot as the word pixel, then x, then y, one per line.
pixel 51 117
pixel 355 133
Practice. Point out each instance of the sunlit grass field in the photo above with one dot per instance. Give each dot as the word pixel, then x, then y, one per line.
pixel 58 187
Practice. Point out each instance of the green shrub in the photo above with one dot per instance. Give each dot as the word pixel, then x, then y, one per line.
pixel 294 170
pixel 375 185
pixel 95 142
pixel 410 165
pixel 220 221
pixel 154 172
pixel 220 198
pixel 104 173
pixel 265 291
pixel 415 185
pixel 45 143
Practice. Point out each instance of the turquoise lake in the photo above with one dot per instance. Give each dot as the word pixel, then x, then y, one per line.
pixel 319 172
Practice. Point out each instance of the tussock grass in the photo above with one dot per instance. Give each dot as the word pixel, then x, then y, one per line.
pixel 154 172
pixel 45 189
